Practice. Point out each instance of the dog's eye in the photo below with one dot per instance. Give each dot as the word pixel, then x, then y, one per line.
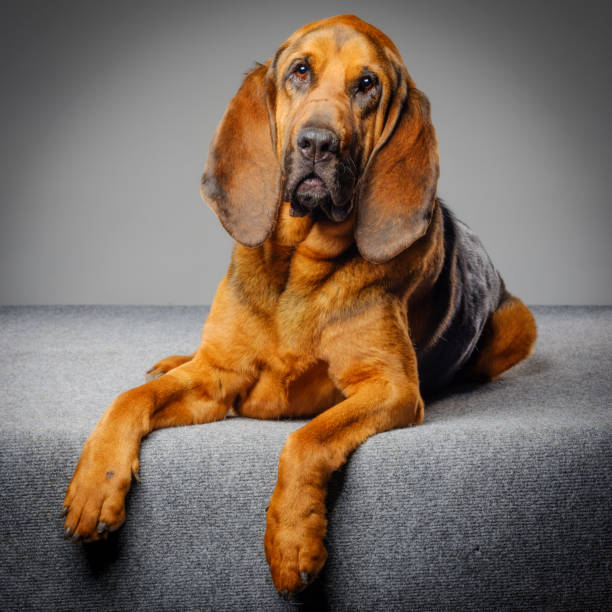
pixel 366 84
pixel 301 71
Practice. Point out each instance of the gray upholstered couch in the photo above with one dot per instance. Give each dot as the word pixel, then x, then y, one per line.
pixel 500 500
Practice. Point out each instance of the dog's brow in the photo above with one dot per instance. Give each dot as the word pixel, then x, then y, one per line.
pixel 338 34
pixel 288 48
pixel 277 55
pixel 342 34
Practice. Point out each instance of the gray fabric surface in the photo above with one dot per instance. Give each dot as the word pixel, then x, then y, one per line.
pixel 500 500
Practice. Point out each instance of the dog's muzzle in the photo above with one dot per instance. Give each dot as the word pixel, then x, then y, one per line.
pixel 317 176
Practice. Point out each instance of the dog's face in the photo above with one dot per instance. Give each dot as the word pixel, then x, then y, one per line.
pixel 331 123
pixel 331 94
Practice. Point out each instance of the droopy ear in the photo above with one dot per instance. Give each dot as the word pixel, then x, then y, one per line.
pixel 241 181
pixel 398 189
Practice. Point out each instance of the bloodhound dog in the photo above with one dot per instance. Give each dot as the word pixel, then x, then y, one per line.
pixel 352 291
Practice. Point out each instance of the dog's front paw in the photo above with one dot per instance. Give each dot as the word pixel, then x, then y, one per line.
pixel 95 500
pixel 294 543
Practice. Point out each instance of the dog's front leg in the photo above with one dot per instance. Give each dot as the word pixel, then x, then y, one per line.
pixel 192 393
pixel 375 367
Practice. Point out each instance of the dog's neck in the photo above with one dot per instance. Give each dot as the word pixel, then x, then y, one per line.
pixel 301 254
pixel 320 239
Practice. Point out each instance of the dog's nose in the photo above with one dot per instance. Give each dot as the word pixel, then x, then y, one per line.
pixel 317 144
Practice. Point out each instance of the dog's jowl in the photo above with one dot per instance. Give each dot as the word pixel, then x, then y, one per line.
pixel 352 291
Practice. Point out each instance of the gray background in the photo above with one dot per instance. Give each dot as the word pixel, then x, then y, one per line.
pixel 107 109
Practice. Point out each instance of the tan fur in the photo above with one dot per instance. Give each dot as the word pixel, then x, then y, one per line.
pixel 304 324
pixel 509 337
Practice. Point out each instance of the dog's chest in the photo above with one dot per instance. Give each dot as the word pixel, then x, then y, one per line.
pixel 298 318
pixel 287 299
pixel 315 294
pixel 289 309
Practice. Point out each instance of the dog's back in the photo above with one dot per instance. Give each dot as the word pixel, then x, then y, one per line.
pixel 467 292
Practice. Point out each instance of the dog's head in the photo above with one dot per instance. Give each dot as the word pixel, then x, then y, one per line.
pixel 332 123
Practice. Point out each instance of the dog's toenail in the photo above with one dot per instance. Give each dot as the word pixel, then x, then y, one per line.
pixel 101 528
pixel 304 577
